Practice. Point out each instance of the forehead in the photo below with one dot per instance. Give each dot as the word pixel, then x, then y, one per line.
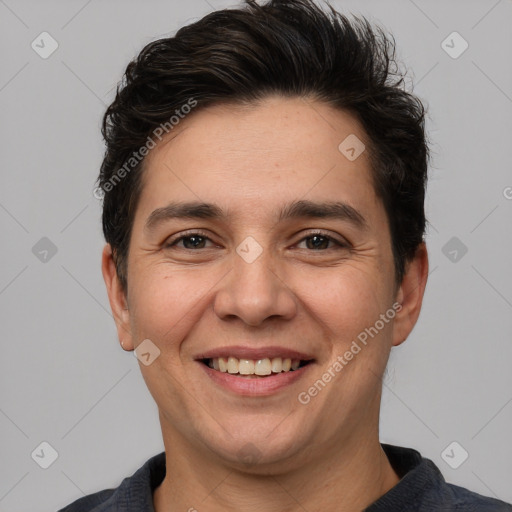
pixel 274 152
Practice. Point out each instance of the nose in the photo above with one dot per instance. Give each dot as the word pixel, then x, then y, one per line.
pixel 254 292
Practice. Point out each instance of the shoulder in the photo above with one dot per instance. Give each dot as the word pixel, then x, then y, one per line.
pixel 461 498
pixel 95 502
pixel 134 494
pixel 423 486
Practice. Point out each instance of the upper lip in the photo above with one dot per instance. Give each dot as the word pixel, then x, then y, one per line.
pixel 241 352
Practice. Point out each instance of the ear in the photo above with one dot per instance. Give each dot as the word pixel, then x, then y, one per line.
pixel 410 295
pixel 117 298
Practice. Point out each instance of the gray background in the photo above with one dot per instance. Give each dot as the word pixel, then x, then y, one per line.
pixel 64 378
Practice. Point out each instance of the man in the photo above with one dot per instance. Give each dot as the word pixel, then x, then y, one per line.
pixel 264 184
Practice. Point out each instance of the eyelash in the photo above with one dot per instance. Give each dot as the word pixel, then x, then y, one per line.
pixel 341 245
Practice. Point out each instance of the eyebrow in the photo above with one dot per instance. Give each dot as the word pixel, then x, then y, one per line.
pixel 297 209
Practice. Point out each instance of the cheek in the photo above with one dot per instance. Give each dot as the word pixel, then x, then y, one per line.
pixel 162 304
pixel 344 302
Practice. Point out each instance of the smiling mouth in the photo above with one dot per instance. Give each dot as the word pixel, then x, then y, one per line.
pixel 252 368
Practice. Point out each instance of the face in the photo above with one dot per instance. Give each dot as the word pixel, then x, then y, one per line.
pixel 287 262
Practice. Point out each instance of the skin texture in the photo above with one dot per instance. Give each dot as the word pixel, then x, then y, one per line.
pixel 251 161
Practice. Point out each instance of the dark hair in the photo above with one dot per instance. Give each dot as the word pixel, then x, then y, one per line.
pixel 288 47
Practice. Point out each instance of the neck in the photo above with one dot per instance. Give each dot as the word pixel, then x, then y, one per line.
pixel 349 478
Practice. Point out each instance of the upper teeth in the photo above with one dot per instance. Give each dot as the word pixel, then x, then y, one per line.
pixel 254 367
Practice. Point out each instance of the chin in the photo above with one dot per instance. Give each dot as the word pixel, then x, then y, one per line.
pixel 260 453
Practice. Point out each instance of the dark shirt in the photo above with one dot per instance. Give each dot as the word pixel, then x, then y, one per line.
pixel 422 488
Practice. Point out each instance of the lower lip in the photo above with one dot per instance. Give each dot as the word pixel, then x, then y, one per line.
pixel 257 386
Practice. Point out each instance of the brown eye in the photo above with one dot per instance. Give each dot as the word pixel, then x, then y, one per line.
pixel 317 242
pixel 190 241
pixel 322 242
pixel 193 242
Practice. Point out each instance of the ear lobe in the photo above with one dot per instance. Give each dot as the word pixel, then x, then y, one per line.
pixel 117 298
pixel 410 295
